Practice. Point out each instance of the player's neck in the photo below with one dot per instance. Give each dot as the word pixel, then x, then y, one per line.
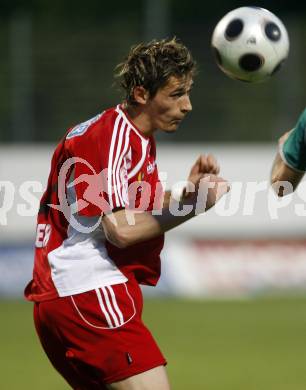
pixel 140 119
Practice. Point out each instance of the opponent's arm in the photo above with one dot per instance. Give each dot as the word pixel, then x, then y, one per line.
pixel 282 172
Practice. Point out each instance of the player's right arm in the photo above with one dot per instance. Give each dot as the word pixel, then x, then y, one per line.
pixel 290 162
pixel 124 228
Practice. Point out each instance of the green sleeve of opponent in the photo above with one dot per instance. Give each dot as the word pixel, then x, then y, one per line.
pixel 294 149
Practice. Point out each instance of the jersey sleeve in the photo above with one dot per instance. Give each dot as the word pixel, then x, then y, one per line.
pixel 293 151
pixel 99 177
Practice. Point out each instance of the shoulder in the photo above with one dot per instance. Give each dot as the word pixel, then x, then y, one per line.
pixel 94 134
pixel 102 121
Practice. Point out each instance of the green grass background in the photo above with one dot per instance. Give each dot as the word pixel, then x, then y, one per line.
pixel 255 344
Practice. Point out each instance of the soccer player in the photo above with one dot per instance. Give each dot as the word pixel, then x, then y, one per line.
pixel 101 225
pixel 290 162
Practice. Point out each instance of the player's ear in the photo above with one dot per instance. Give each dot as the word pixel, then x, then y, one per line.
pixel 141 95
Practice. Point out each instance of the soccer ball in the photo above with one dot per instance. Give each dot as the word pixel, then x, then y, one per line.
pixel 250 44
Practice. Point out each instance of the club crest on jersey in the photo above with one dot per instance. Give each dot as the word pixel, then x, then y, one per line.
pixel 83 127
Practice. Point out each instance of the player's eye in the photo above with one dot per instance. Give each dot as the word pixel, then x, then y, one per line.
pixel 177 94
pixel 180 93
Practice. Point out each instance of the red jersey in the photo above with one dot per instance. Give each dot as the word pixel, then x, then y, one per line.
pixel 101 165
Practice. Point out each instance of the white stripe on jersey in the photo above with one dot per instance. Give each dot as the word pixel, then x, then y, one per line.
pixel 110 161
pixel 116 185
pixel 117 170
pixel 115 304
pixel 115 158
pixel 122 113
pixel 144 144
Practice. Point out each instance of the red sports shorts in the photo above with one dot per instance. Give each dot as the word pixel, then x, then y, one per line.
pixel 97 337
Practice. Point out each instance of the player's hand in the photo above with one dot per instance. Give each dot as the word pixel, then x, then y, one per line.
pixel 209 191
pixel 204 164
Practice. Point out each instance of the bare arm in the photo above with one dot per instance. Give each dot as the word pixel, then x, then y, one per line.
pixel 167 199
pixel 127 227
pixel 124 228
pixel 282 172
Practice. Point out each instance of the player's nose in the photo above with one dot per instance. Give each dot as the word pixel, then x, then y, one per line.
pixel 186 105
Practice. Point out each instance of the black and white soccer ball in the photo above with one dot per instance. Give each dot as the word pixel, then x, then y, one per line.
pixel 250 44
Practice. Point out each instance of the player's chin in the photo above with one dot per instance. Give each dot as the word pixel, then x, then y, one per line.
pixel 171 128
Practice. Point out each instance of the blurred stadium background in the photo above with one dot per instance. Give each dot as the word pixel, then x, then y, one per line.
pixel 234 286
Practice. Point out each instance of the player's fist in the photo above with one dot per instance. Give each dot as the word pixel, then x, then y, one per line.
pixel 209 191
pixel 204 164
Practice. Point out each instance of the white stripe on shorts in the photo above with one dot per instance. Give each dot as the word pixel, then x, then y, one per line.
pixel 103 308
pixel 115 304
pixel 109 307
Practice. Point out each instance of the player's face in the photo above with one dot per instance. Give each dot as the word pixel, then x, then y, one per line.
pixel 171 104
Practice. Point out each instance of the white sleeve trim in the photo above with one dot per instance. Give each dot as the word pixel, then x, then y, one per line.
pixel 282 155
